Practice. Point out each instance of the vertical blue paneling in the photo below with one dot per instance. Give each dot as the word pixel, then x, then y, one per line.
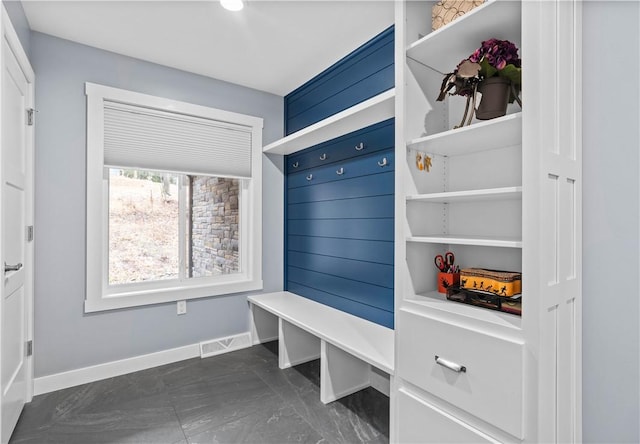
pixel 364 311
pixel 339 195
pixel 340 234
pixel 372 139
pixel 356 270
pixel 374 59
pixel 377 251
pixel 364 207
pixel 365 73
pixel 286 231
pixel 373 185
pixel 360 91
pixel 363 229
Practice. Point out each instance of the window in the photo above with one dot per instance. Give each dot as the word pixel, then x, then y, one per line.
pixel 147 212
pixel 173 200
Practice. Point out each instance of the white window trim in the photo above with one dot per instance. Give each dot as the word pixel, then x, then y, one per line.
pixel 99 296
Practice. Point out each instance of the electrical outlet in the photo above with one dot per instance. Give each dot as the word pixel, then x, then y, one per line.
pixel 182 307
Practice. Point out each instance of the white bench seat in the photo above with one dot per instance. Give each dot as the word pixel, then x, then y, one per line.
pixel 346 345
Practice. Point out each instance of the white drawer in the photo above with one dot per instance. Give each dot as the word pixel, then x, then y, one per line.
pixel 491 387
pixel 421 422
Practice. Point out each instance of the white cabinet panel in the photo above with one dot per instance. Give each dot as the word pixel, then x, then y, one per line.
pixel 425 423
pixel 490 386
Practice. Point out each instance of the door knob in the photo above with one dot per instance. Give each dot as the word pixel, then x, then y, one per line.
pixel 15 267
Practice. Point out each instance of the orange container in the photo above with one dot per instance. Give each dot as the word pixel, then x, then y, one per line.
pixel 446 280
pixel 502 283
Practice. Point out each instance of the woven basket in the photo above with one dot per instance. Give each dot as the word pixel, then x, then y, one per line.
pixel 446 11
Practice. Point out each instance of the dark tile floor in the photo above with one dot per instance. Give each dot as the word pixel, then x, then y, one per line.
pixel 238 397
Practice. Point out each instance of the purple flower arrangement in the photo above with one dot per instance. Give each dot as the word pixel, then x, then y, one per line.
pixel 498 58
pixel 497 53
pixel 493 58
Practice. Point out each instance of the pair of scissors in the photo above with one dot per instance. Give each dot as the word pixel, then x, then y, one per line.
pixel 444 263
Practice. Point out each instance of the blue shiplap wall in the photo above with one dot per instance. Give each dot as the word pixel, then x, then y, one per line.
pixel 339 195
pixel 340 223
pixel 365 73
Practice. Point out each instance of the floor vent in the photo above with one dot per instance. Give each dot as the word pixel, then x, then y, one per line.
pixel 224 345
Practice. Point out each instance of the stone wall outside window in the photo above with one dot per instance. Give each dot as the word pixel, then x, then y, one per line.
pixel 214 225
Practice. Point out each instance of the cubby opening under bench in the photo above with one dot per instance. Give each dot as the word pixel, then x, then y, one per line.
pixel 354 353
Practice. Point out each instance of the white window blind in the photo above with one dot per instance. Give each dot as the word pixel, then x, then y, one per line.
pixel 138 137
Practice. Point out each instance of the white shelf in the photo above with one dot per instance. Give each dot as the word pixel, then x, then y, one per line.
pixel 482 241
pixel 506 193
pixel 498 133
pixel 374 110
pixel 434 301
pixel 444 48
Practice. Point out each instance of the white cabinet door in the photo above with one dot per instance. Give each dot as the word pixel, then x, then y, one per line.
pixel 421 422
pixel 491 384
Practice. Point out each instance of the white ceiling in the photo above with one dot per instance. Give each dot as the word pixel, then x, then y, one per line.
pixel 273 46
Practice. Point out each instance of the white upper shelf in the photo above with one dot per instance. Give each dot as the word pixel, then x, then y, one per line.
pixel 498 133
pixel 444 48
pixel 374 110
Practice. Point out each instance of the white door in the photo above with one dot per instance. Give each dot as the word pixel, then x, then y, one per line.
pixel 16 250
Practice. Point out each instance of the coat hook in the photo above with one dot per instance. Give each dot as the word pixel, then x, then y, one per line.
pixel 295 165
pixel 360 147
pixel 324 156
pixel 340 172
pixel 383 163
pixel 310 176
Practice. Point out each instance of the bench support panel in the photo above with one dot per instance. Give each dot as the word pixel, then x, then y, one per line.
pixel 341 373
pixel 264 325
pixel 295 345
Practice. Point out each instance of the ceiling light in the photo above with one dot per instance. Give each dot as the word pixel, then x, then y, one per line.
pixel 232 5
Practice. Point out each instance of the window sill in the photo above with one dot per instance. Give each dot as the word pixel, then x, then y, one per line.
pixel 179 292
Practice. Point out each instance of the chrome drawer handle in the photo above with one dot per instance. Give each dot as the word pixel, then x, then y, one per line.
pixel 451 365
pixel 383 163
pixel 295 165
pixel 340 172
pixel 324 156
pixel 360 147
pixel 15 267
pixel 310 176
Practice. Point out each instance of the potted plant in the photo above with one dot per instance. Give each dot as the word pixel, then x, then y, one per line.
pixel 493 70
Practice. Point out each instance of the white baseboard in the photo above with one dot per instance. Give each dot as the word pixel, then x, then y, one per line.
pixel 72 378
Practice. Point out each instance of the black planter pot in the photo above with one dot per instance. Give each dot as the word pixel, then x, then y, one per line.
pixel 495 98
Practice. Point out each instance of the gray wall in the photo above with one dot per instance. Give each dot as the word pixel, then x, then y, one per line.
pixel 19 22
pixel 611 222
pixel 65 337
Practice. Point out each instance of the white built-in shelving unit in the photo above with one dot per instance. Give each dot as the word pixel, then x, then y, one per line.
pixel 470 200
pixel 500 194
